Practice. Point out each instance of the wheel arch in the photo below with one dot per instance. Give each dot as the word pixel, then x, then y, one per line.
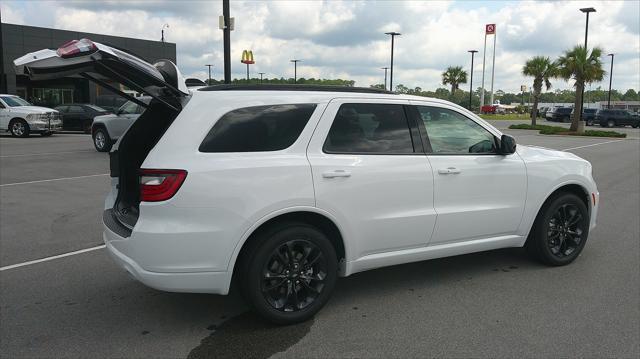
pixel 312 216
pixel 576 188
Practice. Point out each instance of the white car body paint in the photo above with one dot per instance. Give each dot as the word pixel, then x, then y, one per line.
pixel 191 242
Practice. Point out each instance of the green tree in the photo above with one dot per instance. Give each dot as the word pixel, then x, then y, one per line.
pixel 542 69
pixel 583 66
pixel 630 95
pixel 454 76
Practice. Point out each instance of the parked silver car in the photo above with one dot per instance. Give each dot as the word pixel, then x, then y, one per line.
pixel 107 129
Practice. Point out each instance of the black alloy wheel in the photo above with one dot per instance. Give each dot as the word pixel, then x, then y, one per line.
pixel 294 275
pixel 288 273
pixel 560 231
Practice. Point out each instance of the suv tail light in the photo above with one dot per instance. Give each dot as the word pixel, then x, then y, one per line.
pixel 75 48
pixel 160 185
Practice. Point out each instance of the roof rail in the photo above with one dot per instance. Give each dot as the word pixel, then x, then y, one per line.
pixel 291 87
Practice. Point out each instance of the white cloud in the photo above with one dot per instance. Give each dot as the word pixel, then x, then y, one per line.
pixel 346 38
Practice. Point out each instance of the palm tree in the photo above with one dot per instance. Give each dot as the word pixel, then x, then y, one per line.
pixel 584 67
pixel 454 76
pixel 541 69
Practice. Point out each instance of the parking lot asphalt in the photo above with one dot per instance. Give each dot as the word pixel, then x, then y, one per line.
pixel 492 304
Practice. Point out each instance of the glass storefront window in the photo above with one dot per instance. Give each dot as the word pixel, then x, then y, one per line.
pixel 51 97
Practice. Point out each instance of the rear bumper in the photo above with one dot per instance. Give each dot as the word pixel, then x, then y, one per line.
pixel 190 282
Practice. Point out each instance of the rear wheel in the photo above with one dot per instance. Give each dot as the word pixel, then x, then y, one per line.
pixel 560 230
pixel 289 273
pixel 589 122
pixel 611 123
pixel 101 140
pixel 19 128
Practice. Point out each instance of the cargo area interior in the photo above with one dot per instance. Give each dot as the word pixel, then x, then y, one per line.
pixel 132 150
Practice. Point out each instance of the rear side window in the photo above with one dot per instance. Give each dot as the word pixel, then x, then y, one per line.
pixel 259 128
pixel 369 128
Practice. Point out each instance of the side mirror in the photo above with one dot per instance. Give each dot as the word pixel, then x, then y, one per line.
pixel 507 145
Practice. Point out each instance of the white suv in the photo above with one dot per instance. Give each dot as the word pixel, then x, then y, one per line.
pixel 286 188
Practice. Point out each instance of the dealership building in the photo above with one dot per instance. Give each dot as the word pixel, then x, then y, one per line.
pixel 18 40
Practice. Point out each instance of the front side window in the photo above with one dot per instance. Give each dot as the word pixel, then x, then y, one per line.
pixel 259 128
pixel 450 132
pixel 369 128
pixel 129 108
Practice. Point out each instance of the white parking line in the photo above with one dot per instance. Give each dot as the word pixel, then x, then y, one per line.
pixel 51 258
pixel 51 180
pixel 594 144
pixel 44 154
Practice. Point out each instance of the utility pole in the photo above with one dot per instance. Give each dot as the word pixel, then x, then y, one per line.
pixel 471 82
pixel 209 66
pixel 295 70
pixel 385 76
pixel 393 35
pixel 3 80
pixel 586 10
pixel 261 73
pixel 226 31
pixel 610 80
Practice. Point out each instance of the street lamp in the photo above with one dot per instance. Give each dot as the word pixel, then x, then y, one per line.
pixel 610 80
pixel 295 70
pixel 385 76
pixel 393 35
pixel 261 73
pixel 585 10
pixel 162 31
pixel 209 66
pixel 471 82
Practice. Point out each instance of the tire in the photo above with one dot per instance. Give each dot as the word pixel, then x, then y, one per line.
pixel 312 276
pixel 101 140
pixel 636 125
pixel 611 123
pixel 19 128
pixel 554 243
pixel 589 123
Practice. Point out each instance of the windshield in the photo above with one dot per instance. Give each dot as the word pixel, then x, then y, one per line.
pixel 14 101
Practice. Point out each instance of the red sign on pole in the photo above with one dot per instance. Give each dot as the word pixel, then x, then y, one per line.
pixel 490 29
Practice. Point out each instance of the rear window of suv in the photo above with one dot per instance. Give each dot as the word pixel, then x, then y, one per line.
pixel 258 128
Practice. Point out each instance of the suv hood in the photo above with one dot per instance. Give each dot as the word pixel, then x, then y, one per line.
pixel 535 153
pixel 33 109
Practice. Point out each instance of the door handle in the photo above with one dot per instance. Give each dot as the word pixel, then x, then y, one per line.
pixel 336 173
pixel 449 171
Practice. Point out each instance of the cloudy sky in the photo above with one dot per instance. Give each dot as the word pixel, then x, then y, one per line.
pixel 345 39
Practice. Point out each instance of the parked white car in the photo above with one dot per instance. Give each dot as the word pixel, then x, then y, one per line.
pixel 286 188
pixel 21 118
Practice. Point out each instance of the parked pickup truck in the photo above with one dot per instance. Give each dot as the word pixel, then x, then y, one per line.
pixel 22 118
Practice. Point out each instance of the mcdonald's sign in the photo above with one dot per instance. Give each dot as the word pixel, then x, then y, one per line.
pixel 247 57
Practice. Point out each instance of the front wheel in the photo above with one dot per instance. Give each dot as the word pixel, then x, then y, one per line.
pixel 19 128
pixel 289 274
pixel 560 230
pixel 101 140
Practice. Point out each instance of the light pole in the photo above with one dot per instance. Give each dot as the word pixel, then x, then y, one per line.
pixel 393 36
pixel 471 82
pixel 209 66
pixel 261 73
pixel 585 10
pixel 162 31
pixel 295 70
pixel 385 76
pixel 610 80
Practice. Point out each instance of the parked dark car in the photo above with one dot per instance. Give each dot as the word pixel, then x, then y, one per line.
pixel 559 114
pixel 79 116
pixel 588 116
pixel 614 117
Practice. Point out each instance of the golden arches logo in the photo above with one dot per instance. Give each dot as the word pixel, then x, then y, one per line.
pixel 247 57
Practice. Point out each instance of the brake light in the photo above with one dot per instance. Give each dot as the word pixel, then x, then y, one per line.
pixel 160 185
pixel 75 48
